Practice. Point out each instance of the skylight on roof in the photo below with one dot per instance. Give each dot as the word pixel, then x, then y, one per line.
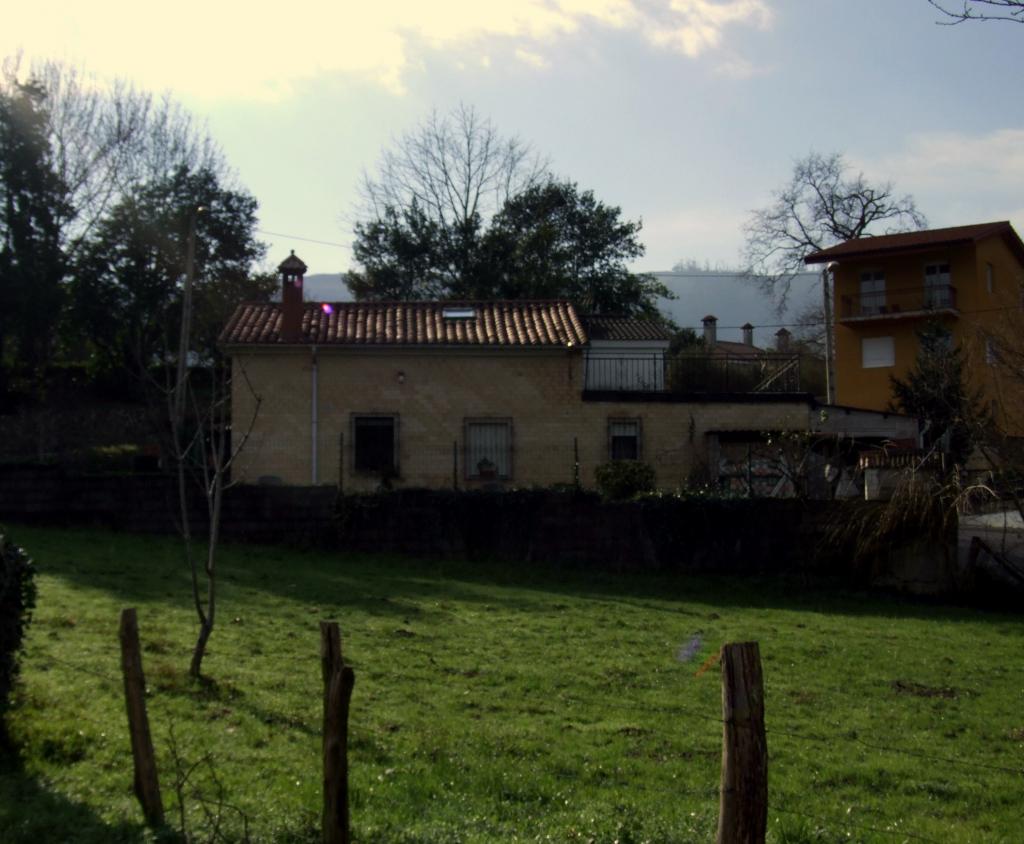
pixel 458 313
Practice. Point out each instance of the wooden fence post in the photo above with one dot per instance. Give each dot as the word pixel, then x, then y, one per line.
pixel 743 806
pixel 338 683
pixel 147 785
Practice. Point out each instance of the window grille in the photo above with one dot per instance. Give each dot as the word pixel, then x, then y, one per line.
pixel 624 439
pixel 489 449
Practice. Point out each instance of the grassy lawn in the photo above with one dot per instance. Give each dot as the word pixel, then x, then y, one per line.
pixel 497 705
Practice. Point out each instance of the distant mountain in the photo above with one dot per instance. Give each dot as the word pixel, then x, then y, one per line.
pixel 321 287
pixel 325 287
pixel 733 300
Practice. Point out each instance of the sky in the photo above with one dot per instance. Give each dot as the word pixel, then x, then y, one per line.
pixel 686 114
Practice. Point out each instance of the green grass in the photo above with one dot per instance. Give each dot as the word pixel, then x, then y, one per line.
pixel 494 704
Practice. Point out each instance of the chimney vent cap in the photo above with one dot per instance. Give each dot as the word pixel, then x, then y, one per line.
pixel 293 265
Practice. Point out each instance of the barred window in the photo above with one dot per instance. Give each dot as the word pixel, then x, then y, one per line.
pixel 624 439
pixel 488 449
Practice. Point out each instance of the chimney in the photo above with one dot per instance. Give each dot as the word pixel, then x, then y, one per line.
pixel 292 270
pixel 748 334
pixel 782 340
pixel 710 330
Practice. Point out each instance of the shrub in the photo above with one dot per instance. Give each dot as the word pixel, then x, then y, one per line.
pixel 621 480
pixel 17 598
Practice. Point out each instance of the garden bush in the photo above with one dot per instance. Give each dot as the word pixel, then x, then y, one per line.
pixel 17 598
pixel 621 480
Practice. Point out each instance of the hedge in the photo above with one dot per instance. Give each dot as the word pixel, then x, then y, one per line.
pixel 17 598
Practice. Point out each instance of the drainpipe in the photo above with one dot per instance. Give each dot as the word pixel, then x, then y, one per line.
pixel 314 421
pixel 826 299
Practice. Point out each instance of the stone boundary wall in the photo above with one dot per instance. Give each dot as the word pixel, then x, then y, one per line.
pixel 148 504
pixel 527 526
pixel 660 534
pixel 540 527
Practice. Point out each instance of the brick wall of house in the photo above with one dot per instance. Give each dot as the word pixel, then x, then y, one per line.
pixel 433 393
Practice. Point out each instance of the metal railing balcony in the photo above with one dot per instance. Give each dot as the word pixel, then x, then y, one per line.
pixel 907 301
pixel 694 373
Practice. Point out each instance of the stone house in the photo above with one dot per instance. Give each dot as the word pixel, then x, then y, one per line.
pixel 472 395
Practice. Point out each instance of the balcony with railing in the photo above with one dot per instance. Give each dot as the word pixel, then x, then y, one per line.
pixel 902 303
pixel 767 373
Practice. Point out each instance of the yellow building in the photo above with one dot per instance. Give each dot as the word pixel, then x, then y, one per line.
pixel 970 278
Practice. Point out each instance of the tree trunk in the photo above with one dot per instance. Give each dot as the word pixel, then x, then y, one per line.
pixel 205 629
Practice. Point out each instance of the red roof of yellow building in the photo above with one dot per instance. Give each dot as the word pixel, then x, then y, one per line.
pixel 868 247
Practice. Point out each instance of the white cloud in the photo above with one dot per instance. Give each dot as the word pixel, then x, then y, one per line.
pixel 738 67
pixel 957 177
pixel 694 26
pixel 231 49
pixel 532 59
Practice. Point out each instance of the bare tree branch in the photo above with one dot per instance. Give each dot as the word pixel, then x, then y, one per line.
pixel 819 207
pixel 455 166
pixel 109 140
pixel 978 10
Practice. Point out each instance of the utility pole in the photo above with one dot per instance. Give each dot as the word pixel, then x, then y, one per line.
pixel 178 403
pixel 186 321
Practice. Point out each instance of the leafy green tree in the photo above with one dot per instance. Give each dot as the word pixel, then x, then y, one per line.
pixel 551 240
pixel 32 202
pixel 555 241
pixel 936 392
pixel 127 291
pixel 405 254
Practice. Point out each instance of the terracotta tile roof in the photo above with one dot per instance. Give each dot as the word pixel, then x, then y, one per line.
pixel 505 323
pixel 913 241
pixel 728 348
pixel 625 328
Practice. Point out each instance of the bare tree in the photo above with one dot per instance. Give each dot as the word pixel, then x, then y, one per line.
pixel 457 167
pixel 981 10
pixel 809 329
pixel 822 205
pixel 204 449
pixel 108 140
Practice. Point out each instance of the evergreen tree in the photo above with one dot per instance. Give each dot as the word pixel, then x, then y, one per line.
pixel 32 203
pixel 127 289
pixel 936 392
pixel 555 241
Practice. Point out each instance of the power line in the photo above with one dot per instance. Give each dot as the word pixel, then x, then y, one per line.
pixel 714 274
pixel 305 239
pixel 900 832
pixel 841 734
pixel 820 323
pixel 895 749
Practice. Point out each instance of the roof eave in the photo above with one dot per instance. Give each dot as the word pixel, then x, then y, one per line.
pixel 825 256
